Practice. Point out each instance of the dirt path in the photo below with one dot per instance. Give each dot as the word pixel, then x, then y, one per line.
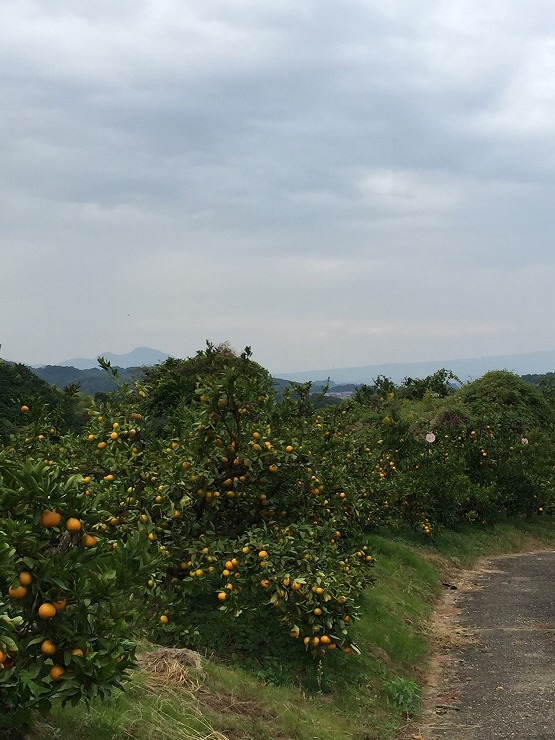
pixel 494 673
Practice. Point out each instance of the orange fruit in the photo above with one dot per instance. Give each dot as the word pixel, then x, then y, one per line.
pixel 222 596
pixel 47 611
pixel 263 554
pixel 101 445
pixel 73 524
pixel 56 672
pixel 24 409
pixel 48 648
pixel 50 518
pixel 89 540
pixel 59 605
pixel 77 651
pixel 17 593
pixel 3 656
pixel 164 619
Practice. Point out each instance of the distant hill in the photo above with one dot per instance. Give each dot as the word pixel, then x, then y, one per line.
pixel 136 358
pixel 91 380
pixel 466 369
pixel 341 380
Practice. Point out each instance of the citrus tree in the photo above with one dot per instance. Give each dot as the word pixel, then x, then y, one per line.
pixel 248 517
pixel 228 506
pixel 65 613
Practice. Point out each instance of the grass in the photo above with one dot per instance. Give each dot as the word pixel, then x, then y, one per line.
pixel 357 697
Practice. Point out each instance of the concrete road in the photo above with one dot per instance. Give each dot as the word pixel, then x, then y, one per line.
pixel 501 683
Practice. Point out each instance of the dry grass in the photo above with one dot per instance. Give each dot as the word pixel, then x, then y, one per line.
pixel 174 666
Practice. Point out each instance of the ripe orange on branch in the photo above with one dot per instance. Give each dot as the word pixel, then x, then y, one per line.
pixel 56 672
pixel 47 611
pixel 50 518
pixel 48 648
pixel 17 593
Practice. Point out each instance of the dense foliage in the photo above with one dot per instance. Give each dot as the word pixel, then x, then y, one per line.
pixel 203 510
pixel 19 385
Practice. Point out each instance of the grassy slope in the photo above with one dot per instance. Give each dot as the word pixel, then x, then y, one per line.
pixel 364 696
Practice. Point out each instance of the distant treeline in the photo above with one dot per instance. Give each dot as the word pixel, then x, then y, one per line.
pixel 539 380
pixel 91 381
pixel 96 380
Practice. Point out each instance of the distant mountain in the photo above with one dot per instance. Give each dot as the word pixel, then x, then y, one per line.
pixel 468 369
pixel 136 358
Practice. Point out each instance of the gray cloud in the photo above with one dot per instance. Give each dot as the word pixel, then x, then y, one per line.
pixel 345 183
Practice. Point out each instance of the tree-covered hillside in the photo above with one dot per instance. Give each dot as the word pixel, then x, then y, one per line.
pixel 91 381
pixel 18 386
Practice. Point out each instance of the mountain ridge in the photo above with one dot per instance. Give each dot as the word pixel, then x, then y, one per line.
pixel 466 369
pixel 136 358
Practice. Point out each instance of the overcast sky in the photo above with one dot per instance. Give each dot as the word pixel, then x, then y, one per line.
pixel 332 182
